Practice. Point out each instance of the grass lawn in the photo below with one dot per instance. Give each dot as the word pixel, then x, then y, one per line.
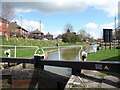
pixel 104 55
pixel 29 52
pixel 21 52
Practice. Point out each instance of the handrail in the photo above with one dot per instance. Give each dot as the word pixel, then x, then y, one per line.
pixel 76 65
pixel 20 46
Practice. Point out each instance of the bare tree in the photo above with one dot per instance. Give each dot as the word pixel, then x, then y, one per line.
pixel 68 27
pixel 7 11
pixel 8 15
pixel 83 33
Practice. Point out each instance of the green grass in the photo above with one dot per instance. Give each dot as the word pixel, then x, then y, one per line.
pixel 21 52
pixel 29 52
pixel 104 55
pixel 39 43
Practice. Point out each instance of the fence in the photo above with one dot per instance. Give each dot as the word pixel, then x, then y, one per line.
pixel 17 51
pixel 75 65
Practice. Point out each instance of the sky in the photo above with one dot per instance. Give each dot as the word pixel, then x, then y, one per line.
pixel 89 15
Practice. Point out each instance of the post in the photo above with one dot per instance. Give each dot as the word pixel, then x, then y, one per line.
pixel 79 55
pixel 37 59
pixel 15 52
pixel 105 45
pixel 110 45
pixel 59 52
pixel 76 71
pixel 24 65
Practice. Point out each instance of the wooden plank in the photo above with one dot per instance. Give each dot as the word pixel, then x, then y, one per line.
pixel 17 60
pixel 99 66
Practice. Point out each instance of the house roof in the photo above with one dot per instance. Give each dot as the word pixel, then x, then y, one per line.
pixel 14 26
pixel 3 20
pixel 48 33
pixel 36 32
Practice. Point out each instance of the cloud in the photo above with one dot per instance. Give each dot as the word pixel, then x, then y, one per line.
pixel 31 25
pixel 66 6
pixel 91 26
pixel 23 11
pixel 108 6
pixel 108 26
pixel 58 32
pixel 48 7
pixel 95 35
pixel 95 30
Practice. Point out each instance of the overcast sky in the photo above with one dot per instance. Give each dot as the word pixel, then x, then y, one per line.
pixel 90 15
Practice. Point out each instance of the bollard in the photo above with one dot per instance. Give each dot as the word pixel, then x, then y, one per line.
pixel 7 52
pixel 76 71
pixel 37 59
pixel 24 65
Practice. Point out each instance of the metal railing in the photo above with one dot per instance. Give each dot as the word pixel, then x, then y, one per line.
pixel 75 65
pixel 14 47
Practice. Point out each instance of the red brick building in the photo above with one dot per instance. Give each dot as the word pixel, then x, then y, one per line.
pixel 17 31
pixel 12 29
pixel 4 28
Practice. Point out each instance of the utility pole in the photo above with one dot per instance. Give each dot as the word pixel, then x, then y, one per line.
pixel 21 22
pixel 40 25
pixel 115 33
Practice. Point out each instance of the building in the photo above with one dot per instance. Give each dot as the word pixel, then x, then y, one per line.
pixel 11 29
pixel 59 37
pixel 49 36
pixel 37 34
pixel 4 27
pixel 17 31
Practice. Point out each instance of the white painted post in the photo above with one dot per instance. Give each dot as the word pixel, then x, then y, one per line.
pixel 59 52
pixel 79 55
pixel 15 52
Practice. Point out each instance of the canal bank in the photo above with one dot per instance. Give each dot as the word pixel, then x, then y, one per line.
pixel 70 53
pixel 105 55
pixel 90 79
pixel 32 78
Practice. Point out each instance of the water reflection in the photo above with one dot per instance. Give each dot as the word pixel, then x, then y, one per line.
pixel 70 53
pixel 89 48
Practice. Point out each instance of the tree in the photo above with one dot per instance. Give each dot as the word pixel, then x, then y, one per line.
pixel 82 33
pixel 68 27
pixel 7 11
pixel 8 15
pixel 69 36
pixel 118 36
pixel 83 36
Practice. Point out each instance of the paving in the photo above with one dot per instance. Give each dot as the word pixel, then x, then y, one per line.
pixel 92 79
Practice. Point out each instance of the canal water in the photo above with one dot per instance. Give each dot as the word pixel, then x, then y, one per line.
pixel 71 54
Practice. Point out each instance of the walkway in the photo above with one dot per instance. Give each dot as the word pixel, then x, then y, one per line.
pixel 93 79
